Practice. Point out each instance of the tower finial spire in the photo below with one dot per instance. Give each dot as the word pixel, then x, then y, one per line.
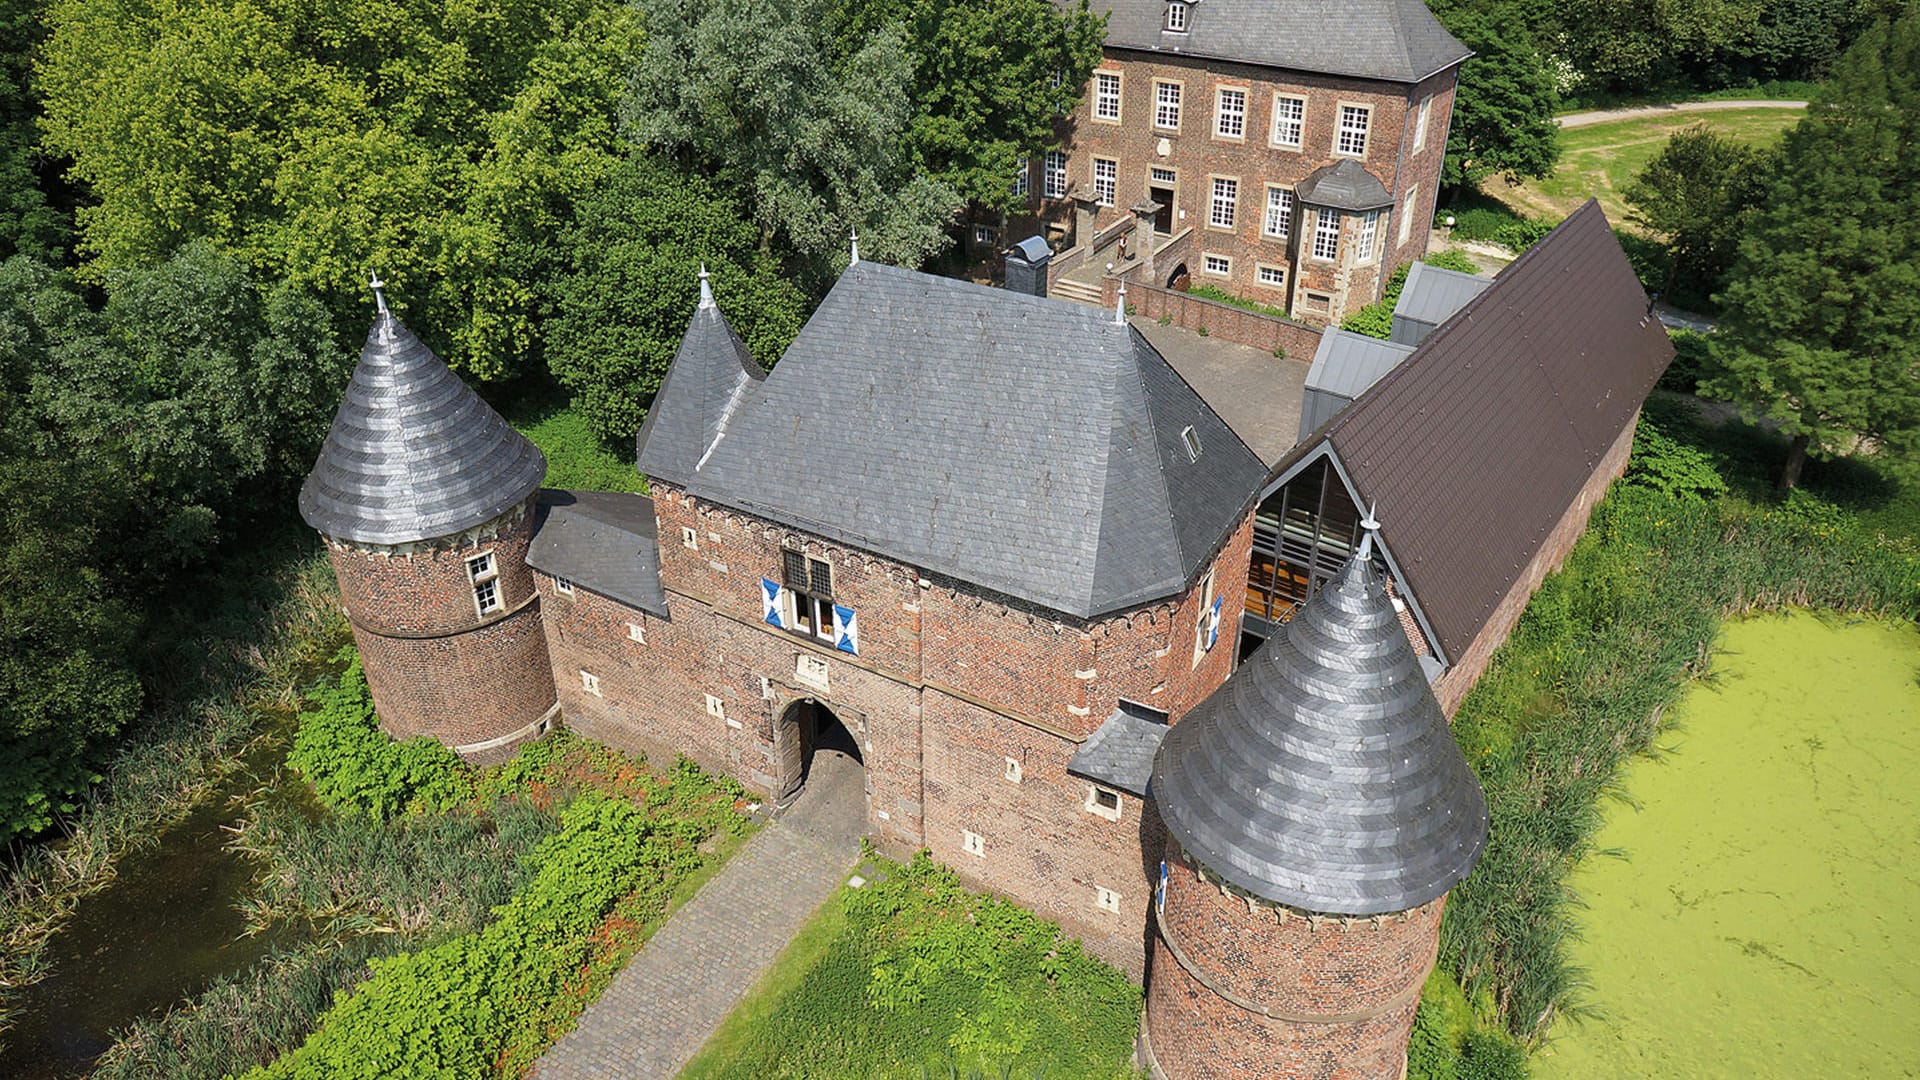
pixel 1372 528
pixel 706 288
pixel 856 247
pixel 379 298
pixel 1120 305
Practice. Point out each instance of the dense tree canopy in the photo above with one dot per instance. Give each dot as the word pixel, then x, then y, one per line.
pixel 1822 326
pixel 1700 193
pixel 438 144
pixel 1503 110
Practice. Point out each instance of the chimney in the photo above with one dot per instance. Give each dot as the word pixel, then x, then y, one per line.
pixel 1027 266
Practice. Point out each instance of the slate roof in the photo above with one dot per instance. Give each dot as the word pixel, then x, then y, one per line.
pixel 601 540
pixel 1347 363
pixel 1120 751
pixel 1344 185
pixel 710 374
pixel 414 454
pixel 1431 296
pixel 1477 445
pixel 1394 40
pixel 1322 775
pixel 1029 446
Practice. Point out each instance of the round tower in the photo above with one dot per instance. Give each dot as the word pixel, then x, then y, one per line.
pixel 425 496
pixel 1317 811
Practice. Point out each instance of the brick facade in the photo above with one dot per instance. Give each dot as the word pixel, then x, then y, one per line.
pixel 1246 990
pixel 436 665
pixel 1405 157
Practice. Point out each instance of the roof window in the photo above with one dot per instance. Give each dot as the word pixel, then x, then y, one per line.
pixel 1192 440
pixel 1176 18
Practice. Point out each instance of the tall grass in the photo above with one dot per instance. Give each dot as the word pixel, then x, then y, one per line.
pixel 1584 682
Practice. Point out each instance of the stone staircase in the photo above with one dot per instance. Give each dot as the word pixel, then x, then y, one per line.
pixel 1077 291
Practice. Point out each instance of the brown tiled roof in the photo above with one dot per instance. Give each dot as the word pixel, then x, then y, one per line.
pixel 1476 445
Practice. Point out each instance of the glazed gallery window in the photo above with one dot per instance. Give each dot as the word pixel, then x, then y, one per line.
pixel 1106 180
pixel 1278 223
pixel 1106 96
pixel 1230 114
pixel 1166 106
pixel 1289 119
pixel 1326 235
pixel 1225 192
pixel 484 573
pixel 1352 138
pixel 1056 175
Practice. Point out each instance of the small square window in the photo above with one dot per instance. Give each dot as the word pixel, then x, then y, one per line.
pixel 1103 801
pixel 690 538
pixel 973 843
pixel 1216 264
pixel 1014 773
pixel 563 586
pixel 983 235
pixel 1106 898
pixel 590 683
pixel 1273 277
pixel 716 707
pixel 636 632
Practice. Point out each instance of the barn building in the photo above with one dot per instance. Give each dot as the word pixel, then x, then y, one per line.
pixel 997 546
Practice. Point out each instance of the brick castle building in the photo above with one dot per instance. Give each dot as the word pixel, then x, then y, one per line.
pixel 996 546
pixel 1286 152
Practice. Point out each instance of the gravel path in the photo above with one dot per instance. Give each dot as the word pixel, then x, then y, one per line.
pixel 1602 116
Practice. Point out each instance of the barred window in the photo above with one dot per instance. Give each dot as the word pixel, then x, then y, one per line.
pixel 1230 114
pixel 1225 192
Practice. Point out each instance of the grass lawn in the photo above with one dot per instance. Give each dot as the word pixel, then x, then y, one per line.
pixel 1761 921
pixel 911 976
pixel 1600 160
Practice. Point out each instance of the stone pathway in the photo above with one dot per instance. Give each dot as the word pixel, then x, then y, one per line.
pixel 659 1011
pixel 1602 116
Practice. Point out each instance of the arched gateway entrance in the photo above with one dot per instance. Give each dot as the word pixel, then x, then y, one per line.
pixel 819 757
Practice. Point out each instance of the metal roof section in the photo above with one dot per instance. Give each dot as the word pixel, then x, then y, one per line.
pixel 1344 367
pixel 1483 438
pixel 1120 751
pixel 414 454
pixel 1322 775
pixel 1344 185
pixel 709 377
pixel 1393 40
pixel 1028 446
pixel 604 541
pixel 1430 297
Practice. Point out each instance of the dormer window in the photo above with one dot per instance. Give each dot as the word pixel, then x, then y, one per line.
pixel 1176 18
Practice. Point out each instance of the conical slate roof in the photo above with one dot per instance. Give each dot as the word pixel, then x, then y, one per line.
pixel 414 454
pixel 1322 775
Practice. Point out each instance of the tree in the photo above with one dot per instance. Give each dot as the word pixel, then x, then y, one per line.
pixel 624 306
pixel 1503 110
pixel 754 95
pixel 28 224
pixel 1822 326
pixel 991 80
pixel 1700 193
pixel 441 145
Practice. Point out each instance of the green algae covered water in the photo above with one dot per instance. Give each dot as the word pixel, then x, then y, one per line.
pixel 1765 920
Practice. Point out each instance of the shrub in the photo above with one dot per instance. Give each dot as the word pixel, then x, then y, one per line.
pixel 1376 319
pixel 1222 296
pixel 1692 362
pixel 355 768
pixel 1518 236
pixel 1489 1055
pixel 1672 468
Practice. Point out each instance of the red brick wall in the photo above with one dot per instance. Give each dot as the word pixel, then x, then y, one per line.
pixel 1363 975
pixel 435 666
pixel 1224 321
pixel 1465 670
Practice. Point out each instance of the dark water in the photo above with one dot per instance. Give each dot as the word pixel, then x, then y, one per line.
pixel 162 931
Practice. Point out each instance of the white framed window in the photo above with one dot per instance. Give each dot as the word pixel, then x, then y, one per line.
pixel 690 538
pixel 1351 138
pixel 1273 277
pixel 486 596
pixel 1226 191
pixel 1015 774
pixel 1176 17
pixel 1420 124
pixel 590 682
pixel 1106 899
pixel 1164 176
pixel 983 235
pixel 1103 801
pixel 1055 178
pixel 1218 265
pixel 480 567
pixel 1326 234
pixel 1230 113
pixel 1277 222
pixel 1289 120
pixel 1106 180
pixel 485 575
pixel 1106 96
pixel 1367 236
pixel 636 632
pixel 563 586
pixel 1407 212
pixel 716 707
pixel 1166 106
pixel 1021 184
pixel 973 843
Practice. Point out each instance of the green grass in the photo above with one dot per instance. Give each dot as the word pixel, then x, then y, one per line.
pixel 576 458
pixel 1601 159
pixel 912 976
pixel 1758 921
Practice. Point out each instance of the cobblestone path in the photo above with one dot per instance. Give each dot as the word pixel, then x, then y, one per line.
pixel 660 1010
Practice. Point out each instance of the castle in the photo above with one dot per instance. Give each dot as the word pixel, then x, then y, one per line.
pixel 1091 649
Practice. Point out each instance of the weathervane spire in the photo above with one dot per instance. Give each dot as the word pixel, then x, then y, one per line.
pixel 1372 528
pixel 706 288
pixel 1120 306
pixel 379 298
pixel 856 247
